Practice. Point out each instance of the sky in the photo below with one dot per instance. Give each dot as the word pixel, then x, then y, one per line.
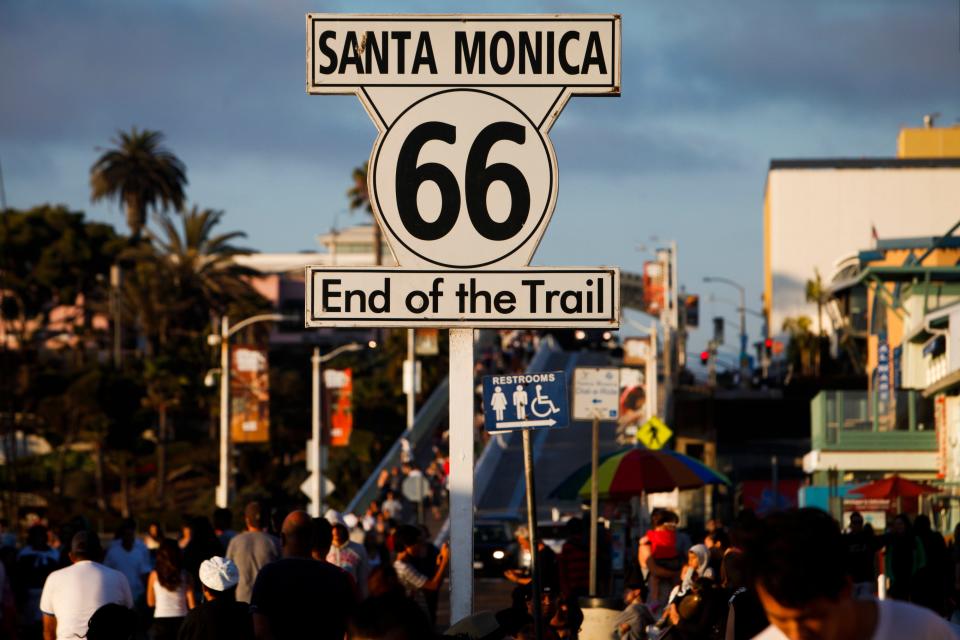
pixel 711 92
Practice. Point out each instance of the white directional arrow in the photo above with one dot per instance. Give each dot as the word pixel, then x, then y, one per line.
pixel 527 423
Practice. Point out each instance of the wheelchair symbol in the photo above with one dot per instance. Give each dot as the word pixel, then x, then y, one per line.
pixel 544 403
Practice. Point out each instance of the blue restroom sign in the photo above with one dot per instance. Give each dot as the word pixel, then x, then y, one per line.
pixel 525 401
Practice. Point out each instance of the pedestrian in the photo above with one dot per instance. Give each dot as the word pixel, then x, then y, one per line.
pixel 903 557
pixel 391 507
pixel 170 592
pixel 252 550
pixel 408 546
pixel 220 617
pixel 347 554
pixel 697 567
pixel 797 560
pixel 547 559
pixel 130 556
pixel 861 548
pixel 203 544
pixel 152 538
pixel 659 559
pixel 574 561
pixel 35 562
pixel 931 580
pixel 321 536
pixel 223 526
pixel 745 615
pixel 389 617
pixel 72 595
pixel 112 622
pixel 633 621
pixel 717 542
pixel 298 597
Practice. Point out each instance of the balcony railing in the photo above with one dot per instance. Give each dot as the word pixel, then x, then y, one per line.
pixel 853 421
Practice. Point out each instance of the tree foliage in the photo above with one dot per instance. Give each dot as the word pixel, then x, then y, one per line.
pixel 140 174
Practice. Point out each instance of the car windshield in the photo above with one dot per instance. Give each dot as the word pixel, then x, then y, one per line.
pixel 492 533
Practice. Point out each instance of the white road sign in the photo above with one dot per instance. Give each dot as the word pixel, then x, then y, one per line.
pixel 596 393
pixel 463 174
pixel 531 297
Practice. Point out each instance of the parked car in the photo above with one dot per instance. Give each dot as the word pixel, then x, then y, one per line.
pixel 495 547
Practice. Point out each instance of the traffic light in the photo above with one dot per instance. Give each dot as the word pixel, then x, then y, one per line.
pixel 718 330
pixel 691 306
pixel 768 347
pixel 704 357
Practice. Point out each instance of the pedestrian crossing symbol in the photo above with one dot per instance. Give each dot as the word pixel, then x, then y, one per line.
pixel 528 401
pixel 654 433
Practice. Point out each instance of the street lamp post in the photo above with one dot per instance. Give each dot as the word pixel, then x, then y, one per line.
pixel 744 373
pixel 223 339
pixel 315 450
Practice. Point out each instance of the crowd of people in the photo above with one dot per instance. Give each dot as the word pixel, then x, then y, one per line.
pixel 309 577
pixel 791 575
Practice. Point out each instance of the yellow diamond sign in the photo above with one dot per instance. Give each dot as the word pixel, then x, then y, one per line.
pixel 654 433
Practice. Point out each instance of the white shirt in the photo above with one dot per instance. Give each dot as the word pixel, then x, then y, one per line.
pixel 134 564
pixel 73 594
pixel 896 621
pixel 170 604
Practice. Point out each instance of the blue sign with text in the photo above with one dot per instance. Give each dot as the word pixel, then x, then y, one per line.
pixel 525 401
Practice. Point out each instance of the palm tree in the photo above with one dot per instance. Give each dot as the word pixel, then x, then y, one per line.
pixel 815 292
pixel 359 197
pixel 204 280
pixel 801 348
pixel 140 174
pixel 202 263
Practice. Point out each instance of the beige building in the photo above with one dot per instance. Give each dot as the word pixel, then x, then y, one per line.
pixel 820 212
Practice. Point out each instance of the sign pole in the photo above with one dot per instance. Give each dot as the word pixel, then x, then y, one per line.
pixel 594 501
pixel 461 473
pixel 316 442
pixel 534 538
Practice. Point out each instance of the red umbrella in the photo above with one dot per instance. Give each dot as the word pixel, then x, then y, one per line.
pixel 892 488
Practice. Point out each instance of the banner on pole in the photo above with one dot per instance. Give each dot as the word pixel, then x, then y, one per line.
pixel 249 394
pixel 338 399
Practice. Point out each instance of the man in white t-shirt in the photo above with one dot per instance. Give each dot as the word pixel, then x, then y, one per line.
pixel 799 568
pixel 70 596
pixel 128 555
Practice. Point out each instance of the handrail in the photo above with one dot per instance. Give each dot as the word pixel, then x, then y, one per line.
pixel 426 418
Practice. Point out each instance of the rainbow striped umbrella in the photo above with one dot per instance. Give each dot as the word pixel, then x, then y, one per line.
pixel 631 472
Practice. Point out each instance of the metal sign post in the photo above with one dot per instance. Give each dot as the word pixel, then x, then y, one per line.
pixel 594 501
pixel 463 104
pixel 534 536
pixel 461 473
pixel 525 402
pixel 596 397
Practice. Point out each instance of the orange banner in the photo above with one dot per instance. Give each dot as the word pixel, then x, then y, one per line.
pixel 338 396
pixel 249 394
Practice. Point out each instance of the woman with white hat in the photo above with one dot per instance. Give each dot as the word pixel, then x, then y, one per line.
pixel 220 616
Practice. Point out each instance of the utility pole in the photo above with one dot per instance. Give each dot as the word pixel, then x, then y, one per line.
pixel 224 491
pixel 411 390
pixel 223 488
pixel 744 360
